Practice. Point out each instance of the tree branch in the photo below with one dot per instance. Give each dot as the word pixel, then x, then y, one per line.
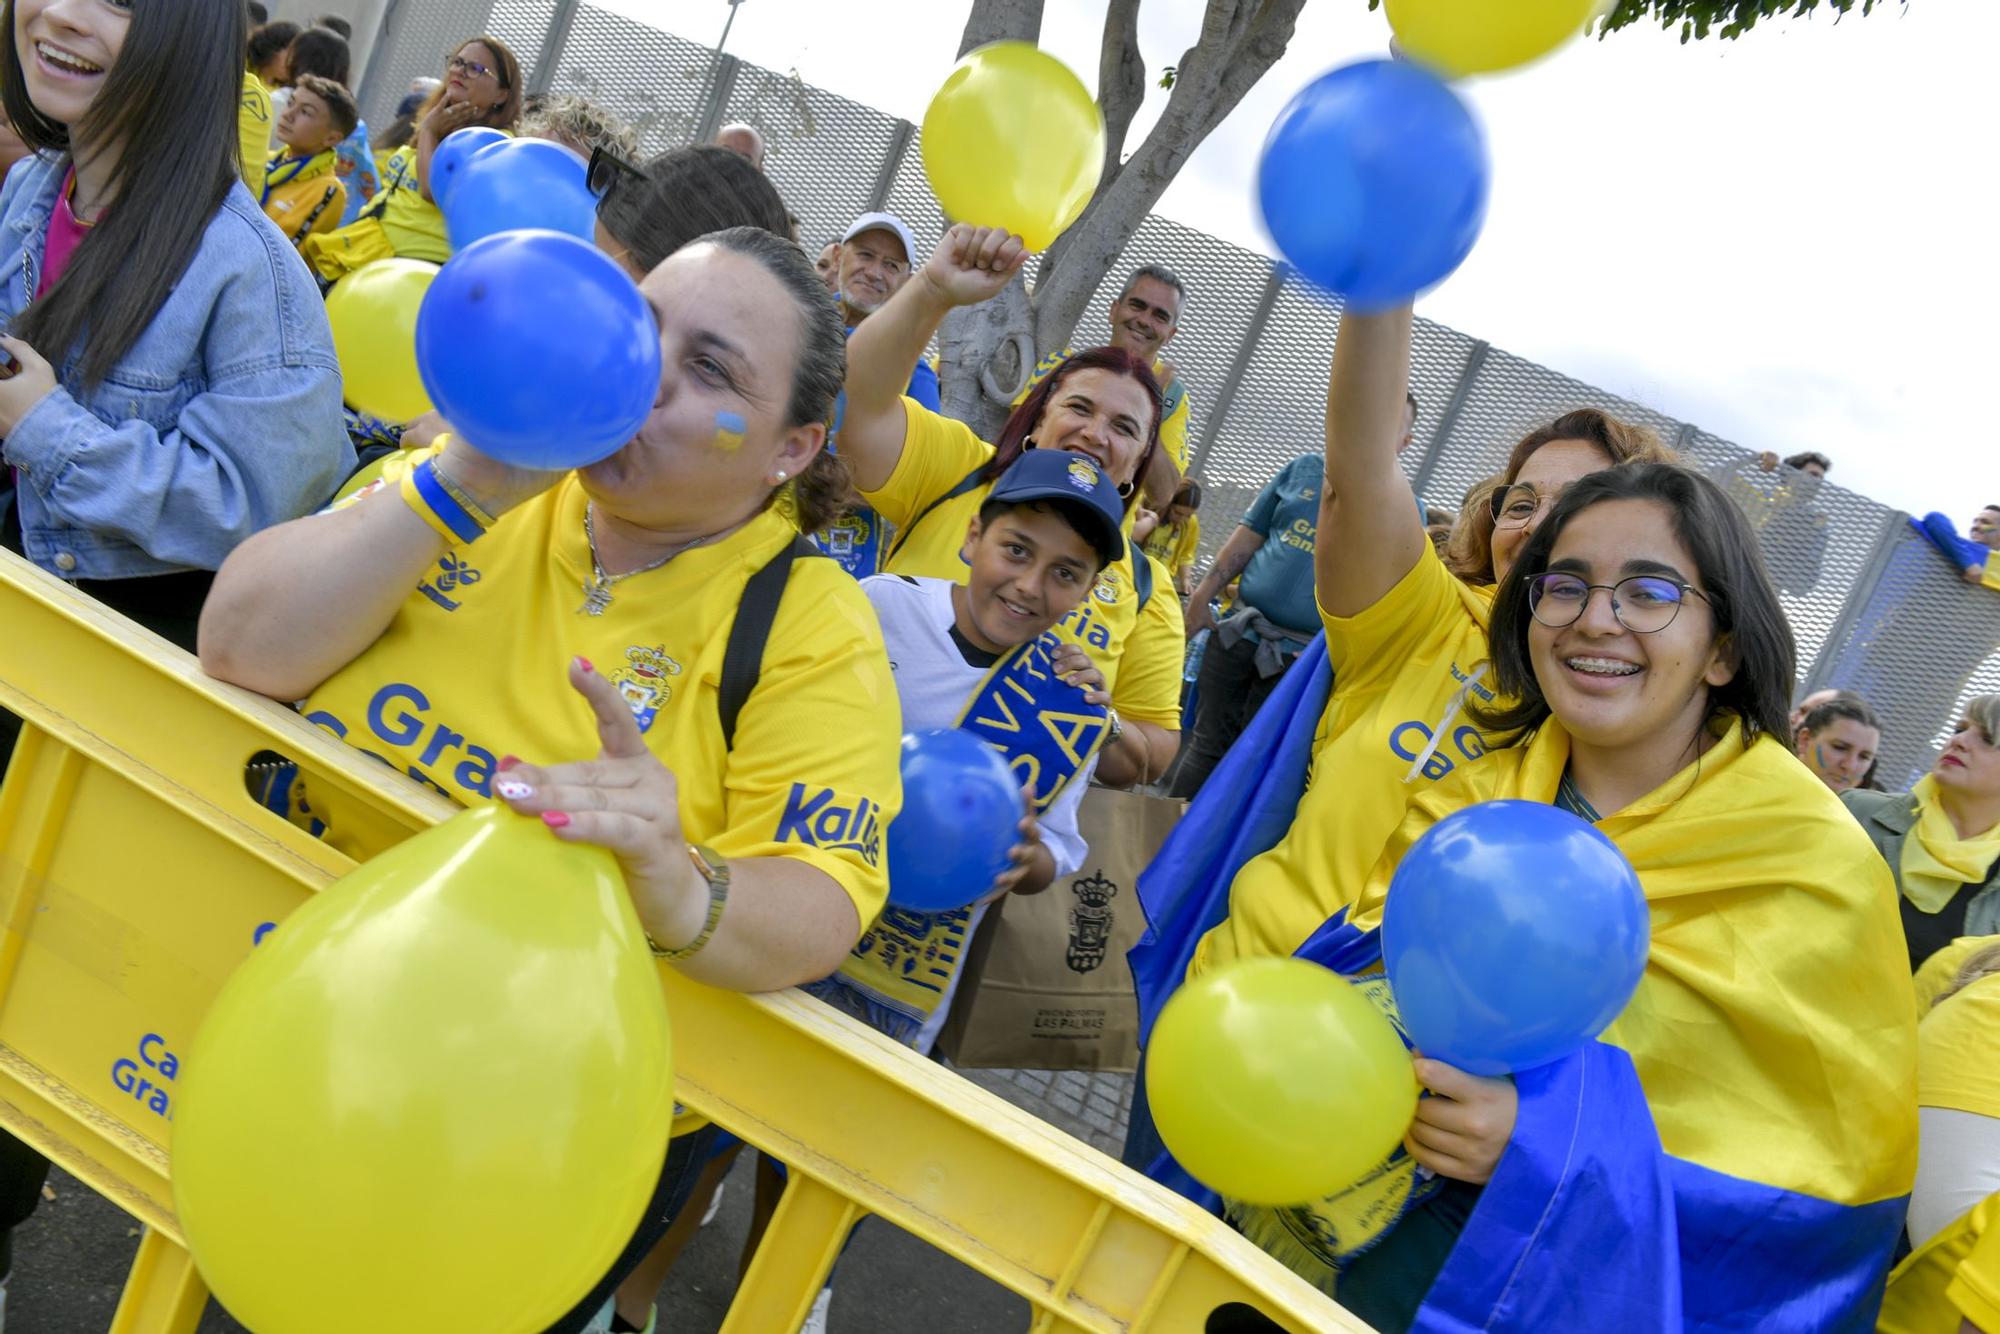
pixel 1240 41
pixel 1121 90
pixel 1001 21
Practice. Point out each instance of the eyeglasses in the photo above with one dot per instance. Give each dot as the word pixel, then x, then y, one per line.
pixel 1645 604
pixel 470 68
pixel 1517 506
pixel 606 170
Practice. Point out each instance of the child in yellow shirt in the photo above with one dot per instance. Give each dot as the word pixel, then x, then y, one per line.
pixel 301 192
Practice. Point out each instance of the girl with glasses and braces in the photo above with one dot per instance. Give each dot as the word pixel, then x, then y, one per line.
pixel 1738 1147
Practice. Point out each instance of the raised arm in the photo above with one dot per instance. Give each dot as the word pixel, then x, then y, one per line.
pixel 1370 534
pixel 970 265
pixel 294 604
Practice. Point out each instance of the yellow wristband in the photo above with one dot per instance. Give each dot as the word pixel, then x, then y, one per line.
pixel 415 500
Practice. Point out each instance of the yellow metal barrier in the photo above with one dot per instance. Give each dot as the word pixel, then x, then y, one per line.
pixel 136 871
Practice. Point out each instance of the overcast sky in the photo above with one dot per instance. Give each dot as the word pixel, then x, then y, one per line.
pixel 1787 239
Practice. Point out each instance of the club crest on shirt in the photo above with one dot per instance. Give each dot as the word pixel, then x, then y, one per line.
pixel 1108 588
pixel 643 683
pixel 1083 474
pixel 847 534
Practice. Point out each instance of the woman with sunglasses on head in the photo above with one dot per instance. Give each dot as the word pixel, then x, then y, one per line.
pixel 1737 1148
pixel 928 475
pixel 1405 629
pixel 482 86
pixel 1942 837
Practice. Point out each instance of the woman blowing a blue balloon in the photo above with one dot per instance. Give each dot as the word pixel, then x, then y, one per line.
pixel 427 621
pixel 1736 1150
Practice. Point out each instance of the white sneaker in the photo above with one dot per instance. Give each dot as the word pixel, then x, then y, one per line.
pixel 714 1204
pixel 816 1318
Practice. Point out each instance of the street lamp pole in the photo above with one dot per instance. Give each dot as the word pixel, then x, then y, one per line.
pixel 726 26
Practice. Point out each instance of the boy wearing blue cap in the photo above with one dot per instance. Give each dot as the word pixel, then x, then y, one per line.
pixel 979 655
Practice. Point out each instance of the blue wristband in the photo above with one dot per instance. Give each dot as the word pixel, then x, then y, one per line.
pixel 456 517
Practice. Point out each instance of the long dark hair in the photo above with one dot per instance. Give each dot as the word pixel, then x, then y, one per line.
pixel 1023 420
pixel 170 103
pixel 824 490
pixel 685 193
pixel 1731 569
pixel 320 51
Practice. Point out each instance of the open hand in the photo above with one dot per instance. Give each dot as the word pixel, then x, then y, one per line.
pixel 1075 668
pixel 447 116
pixel 1463 1128
pixel 974 264
pixel 624 800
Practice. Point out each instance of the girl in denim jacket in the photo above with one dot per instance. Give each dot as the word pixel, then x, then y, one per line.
pixel 173 384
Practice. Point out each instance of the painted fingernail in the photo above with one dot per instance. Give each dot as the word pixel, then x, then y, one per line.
pixel 507 762
pixel 584 663
pixel 513 789
pixel 554 819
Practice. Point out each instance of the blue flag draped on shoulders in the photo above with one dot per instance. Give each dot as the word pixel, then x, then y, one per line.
pixel 1736 1152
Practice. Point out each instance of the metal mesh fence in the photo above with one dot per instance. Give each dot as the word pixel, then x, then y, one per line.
pixel 1873 606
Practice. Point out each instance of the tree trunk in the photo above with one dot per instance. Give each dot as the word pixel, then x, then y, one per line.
pixel 1240 41
pixel 1121 90
pixel 1001 21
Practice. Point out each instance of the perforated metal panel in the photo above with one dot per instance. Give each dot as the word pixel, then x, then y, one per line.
pixel 656 82
pixel 1918 642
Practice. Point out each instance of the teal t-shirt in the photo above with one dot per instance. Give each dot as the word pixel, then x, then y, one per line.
pixel 1279 579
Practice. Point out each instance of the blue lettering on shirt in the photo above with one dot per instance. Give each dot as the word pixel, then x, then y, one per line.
pixel 819 821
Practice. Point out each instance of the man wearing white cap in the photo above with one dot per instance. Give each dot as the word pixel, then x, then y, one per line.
pixel 874 264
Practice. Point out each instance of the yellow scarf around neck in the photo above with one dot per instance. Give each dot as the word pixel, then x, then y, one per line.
pixel 1936 861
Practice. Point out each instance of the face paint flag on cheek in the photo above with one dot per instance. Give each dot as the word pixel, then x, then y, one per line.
pixel 729 431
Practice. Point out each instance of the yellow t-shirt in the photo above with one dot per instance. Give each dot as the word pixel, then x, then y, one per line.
pixel 471 669
pixel 1139 650
pixel 1991 579
pixel 1176 546
pixel 253 132
pixel 1958 1051
pixel 1173 427
pixel 1936 974
pixel 413 224
pixel 1401 668
pixel 303 196
pixel 1952 1277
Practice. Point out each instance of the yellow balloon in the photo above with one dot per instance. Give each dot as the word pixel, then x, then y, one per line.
pixel 373 311
pixel 1460 37
pixel 437 1097
pixel 1274 1081
pixel 1013 140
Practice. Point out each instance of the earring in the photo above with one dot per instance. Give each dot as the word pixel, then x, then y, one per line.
pixel 1028 442
pixel 1126 489
pixel 782 475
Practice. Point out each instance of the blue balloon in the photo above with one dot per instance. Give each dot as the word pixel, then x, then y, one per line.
pixel 517 184
pixel 1374 181
pixel 539 350
pixel 449 161
pixel 961 809
pixel 1513 934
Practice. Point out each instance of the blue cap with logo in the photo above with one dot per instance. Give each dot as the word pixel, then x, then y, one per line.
pixel 1095 506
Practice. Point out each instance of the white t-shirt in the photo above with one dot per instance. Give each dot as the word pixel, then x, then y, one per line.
pixel 936 673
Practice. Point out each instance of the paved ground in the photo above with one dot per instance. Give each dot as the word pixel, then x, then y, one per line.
pixel 71 1258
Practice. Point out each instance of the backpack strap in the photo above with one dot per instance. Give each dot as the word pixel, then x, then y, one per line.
pixel 1142 575
pixel 970 482
pixel 743 659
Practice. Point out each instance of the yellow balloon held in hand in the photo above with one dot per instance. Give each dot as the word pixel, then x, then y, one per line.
pixel 1460 37
pixel 1014 140
pixel 373 311
pixel 1274 1081
pixel 436 1097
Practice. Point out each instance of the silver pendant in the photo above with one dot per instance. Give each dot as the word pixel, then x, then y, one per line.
pixel 596 598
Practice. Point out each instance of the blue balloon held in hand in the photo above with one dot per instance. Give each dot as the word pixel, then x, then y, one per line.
pixel 518 184
pixel 1513 934
pixel 1374 181
pixel 961 812
pixel 539 350
pixel 449 162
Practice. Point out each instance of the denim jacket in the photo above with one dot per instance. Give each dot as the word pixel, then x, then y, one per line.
pixel 222 419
